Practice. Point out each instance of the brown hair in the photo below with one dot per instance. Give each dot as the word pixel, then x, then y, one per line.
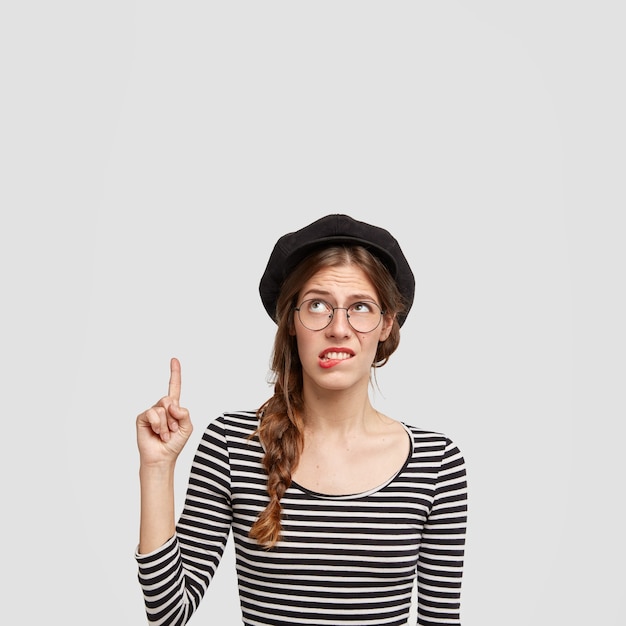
pixel 280 423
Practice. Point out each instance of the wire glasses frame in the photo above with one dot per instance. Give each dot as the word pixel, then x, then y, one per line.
pixel 363 316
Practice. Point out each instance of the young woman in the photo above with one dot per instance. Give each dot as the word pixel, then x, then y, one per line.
pixel 334 507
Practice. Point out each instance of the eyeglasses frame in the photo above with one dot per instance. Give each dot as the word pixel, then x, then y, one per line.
pixel 331 317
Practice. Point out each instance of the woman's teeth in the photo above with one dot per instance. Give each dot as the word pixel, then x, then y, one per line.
pixel 336 356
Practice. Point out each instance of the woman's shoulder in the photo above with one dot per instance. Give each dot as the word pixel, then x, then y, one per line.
pixel 235 423
pixel 422 432
pixel 424 437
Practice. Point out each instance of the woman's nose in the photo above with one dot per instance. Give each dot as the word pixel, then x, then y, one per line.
pixel 339 323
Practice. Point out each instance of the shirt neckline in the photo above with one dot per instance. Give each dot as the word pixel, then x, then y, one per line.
pixel 368 492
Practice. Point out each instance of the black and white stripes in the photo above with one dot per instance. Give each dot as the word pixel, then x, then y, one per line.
pixel 348 560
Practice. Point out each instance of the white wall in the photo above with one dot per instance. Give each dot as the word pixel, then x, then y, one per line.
pixel 152 152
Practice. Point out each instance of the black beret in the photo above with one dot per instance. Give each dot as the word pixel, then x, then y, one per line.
pixel 292 248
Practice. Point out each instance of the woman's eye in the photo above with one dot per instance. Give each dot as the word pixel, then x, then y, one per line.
pixel 361 307
pixel 318 306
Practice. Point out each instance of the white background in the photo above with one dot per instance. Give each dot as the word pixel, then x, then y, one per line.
pixel 152 153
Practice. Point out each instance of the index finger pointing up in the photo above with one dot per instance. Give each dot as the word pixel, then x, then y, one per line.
pixel 173 390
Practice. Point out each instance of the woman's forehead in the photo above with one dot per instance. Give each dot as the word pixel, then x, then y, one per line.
pixel 346 279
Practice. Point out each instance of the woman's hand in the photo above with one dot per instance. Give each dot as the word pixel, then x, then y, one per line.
pixel 163 430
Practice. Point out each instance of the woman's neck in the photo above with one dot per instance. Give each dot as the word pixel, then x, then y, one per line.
pixel 338 413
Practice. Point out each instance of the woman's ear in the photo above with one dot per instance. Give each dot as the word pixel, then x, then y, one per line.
pixel 387 326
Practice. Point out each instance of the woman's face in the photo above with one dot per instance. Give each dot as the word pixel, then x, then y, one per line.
pixel 338 357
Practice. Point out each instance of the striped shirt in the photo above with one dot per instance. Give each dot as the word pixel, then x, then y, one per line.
pixel 342 560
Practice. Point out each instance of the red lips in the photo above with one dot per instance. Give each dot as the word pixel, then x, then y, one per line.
pixel 333 356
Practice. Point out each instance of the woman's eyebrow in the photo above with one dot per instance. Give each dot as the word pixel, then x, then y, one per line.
pixel 354 297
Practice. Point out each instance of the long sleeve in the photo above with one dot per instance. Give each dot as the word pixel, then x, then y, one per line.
pixel 440 563
pixel 175 577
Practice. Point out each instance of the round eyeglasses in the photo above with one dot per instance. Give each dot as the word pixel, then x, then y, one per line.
pixel 363 316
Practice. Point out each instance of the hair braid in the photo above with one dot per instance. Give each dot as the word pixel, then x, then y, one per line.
pixel 280 433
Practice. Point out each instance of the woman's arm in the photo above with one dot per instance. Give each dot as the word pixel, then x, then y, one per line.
pixel 162 432
pixel 440 564
pixel 175 577
pixel 176 562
